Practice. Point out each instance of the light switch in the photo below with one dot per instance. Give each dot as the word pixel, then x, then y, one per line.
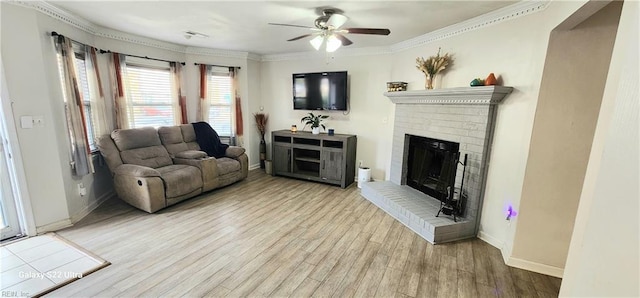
pixel 26 122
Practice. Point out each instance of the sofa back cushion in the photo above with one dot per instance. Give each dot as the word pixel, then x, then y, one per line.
pixel 189 136
pixel 141 146
pixel 171 138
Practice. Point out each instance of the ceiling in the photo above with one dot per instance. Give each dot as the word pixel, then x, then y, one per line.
pixel 242 25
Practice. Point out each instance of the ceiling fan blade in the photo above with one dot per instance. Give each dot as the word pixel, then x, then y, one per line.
pixel 300 37
pixel 345 41
pixel 290 25
pixel 336 20
pixel 368 31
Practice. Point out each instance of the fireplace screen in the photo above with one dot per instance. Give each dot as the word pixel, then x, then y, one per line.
pixel 431 166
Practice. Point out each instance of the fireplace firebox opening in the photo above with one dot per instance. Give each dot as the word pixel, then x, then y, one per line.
pixel 431 166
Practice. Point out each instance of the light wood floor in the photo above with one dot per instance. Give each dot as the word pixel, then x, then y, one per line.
pixel 269 236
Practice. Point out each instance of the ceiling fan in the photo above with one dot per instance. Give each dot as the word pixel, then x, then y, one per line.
pixel 327 31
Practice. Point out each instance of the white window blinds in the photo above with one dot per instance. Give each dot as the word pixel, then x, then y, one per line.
pixel 149 90
pixel 86 99
pixel 221 109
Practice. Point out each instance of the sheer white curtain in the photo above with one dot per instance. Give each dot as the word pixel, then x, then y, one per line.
pixel 80 154
pixel 98 110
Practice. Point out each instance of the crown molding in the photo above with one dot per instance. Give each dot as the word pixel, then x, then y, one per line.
pixel 140 40
pixel 216 52
pixel 486 95
pixel 491 18
pixel 507 13
pixel 59 14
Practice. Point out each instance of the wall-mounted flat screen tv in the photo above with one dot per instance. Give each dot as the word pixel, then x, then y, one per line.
pixel 320 91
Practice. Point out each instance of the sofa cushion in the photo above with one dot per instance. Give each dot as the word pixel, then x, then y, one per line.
pixel 189 136
pixel 227 165
pixel 188 133
pixel 152 156
pixel 180 179
pixel 191 154
pixel 126 139
pixel 171 138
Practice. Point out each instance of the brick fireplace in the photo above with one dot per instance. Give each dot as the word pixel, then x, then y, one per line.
pixel 464 116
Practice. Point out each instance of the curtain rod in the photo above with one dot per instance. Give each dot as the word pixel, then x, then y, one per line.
pixel 53 33
pixel 238 67
pixel 144 57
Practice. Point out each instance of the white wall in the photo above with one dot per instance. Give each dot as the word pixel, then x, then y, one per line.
pixel 574 77
pixel 370 116
pixel 604 256
pixel 30 91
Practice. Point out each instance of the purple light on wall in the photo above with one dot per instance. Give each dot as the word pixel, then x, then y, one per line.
pixel 510 212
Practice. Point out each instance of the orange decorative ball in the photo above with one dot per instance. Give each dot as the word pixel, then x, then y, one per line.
pixel 490 80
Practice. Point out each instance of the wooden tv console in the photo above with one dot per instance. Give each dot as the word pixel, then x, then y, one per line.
pixel 321 158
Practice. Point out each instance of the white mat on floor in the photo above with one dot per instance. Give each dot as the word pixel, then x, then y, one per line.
pixel 35 266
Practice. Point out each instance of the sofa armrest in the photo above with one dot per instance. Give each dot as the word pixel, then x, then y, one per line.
pixel 136 171
pixel 140 186
pixel 208 167
pixel 234 152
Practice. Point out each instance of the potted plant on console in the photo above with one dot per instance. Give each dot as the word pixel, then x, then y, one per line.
pixel 315 121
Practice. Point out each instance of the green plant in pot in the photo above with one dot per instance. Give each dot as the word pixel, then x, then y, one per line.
pixel 315 121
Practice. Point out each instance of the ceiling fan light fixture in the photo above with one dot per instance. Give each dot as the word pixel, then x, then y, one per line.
pixel 317 42
pixel 333 43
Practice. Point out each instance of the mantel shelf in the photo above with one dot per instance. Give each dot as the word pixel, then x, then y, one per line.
pixel 485 95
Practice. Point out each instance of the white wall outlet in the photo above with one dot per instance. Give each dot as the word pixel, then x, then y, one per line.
pixel 38 121
pixel 81 190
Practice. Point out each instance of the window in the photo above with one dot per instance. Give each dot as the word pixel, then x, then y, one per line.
pixel 149 89
pixel 83 85
pixel 219 92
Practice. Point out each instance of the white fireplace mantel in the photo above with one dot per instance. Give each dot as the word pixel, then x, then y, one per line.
pixel 484 95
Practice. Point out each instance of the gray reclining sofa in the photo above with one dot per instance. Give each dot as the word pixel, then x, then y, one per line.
pixel 153 169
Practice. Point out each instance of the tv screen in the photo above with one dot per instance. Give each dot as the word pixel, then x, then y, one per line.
pixel 320 91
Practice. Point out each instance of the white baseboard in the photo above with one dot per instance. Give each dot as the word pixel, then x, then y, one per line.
pixel 87 209
pixel 254 167
pixel 516 262
pixel 535 267
pixel 491 240
pixel 58 225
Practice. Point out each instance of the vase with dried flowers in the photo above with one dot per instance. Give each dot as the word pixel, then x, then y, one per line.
pixel 261 123
pixel 432 66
